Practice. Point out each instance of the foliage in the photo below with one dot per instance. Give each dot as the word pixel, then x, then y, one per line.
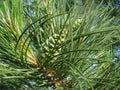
pixel 47 44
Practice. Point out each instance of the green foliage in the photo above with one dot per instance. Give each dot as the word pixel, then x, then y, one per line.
pixel 47 44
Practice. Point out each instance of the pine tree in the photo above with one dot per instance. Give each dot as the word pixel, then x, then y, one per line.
pixel 54 44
